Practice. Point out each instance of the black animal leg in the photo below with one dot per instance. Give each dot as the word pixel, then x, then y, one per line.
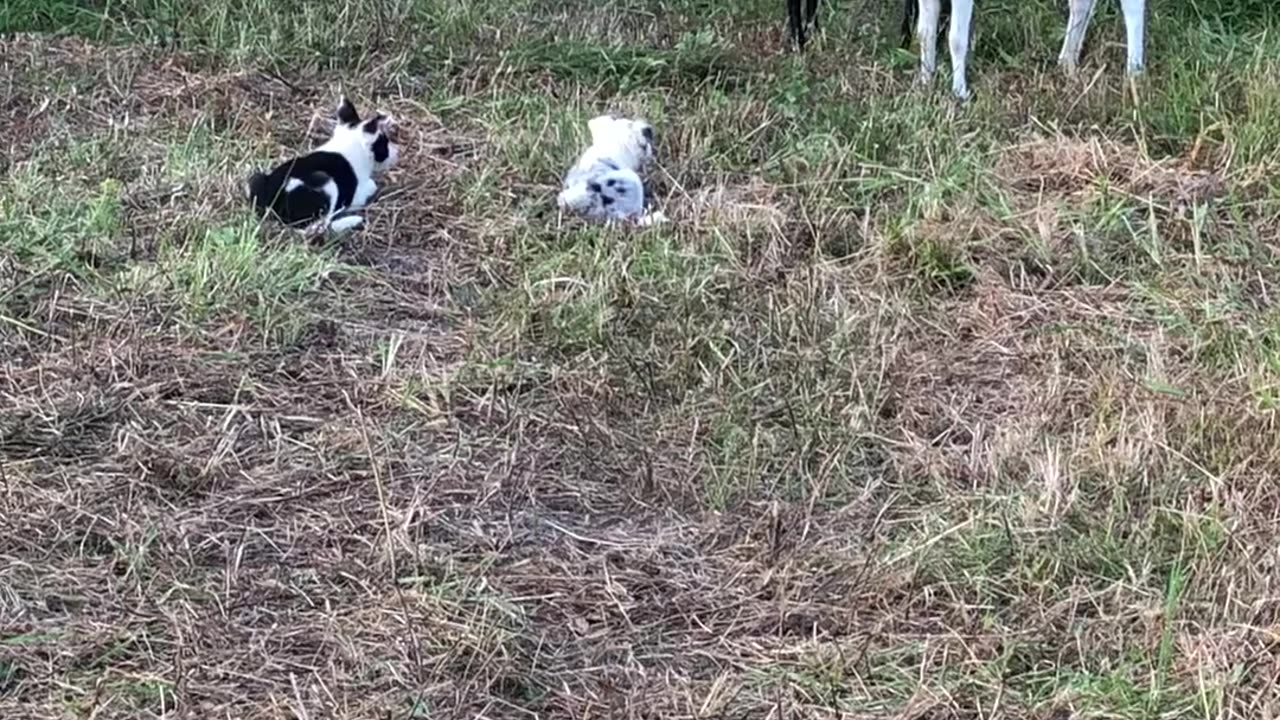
pixel 910 10
pixel 795 23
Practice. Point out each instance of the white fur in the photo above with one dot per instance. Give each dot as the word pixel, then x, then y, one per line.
pixel 1081 11
pixel 605 183
pixel 1078 22
pixel 623 189
pixel 344 224
pixel 356 145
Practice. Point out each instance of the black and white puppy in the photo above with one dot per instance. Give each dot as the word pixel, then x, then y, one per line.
pixel 605 183
pixel 331 180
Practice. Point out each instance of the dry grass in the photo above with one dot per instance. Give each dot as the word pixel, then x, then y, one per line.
pixel 897 420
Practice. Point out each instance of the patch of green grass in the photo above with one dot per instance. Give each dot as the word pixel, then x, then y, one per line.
pixel 700 59
pixel 11 673
pixel 52 230
pixel 29 639
pixel 235 270
pixel 58 227
pixel 157 694
pixel 193 156
pixel 1120 693
pixel 998 559
pixel 52 16
pixel 63 216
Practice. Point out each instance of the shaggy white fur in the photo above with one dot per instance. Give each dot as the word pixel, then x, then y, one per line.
pixel 605 183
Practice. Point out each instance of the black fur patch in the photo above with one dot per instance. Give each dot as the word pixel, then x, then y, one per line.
pixel 316 179
pixel 257 185
pixel 381 148
pixel 306 203
pixel 347 114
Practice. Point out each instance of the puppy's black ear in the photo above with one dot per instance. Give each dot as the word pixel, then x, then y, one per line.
pixel 372 124
pixel 347 114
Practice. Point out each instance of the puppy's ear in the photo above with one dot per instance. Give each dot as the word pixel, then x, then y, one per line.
pixel 599 124
pixel 376 123
pixel 347 114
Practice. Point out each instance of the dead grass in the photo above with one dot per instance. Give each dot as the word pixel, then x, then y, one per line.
pixel 956 421
pixel 1065 168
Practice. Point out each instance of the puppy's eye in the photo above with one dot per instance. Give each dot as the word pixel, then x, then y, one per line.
pixel 648 134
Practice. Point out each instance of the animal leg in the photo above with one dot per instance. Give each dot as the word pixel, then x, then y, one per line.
pixel 795 23
pixel 1077 23
pixel 649 219
pixel 1134 22
pixel 909 14
pixel 343 224
pixel 365 191
pixel 927 32
pixel 330 189
pixel 961 20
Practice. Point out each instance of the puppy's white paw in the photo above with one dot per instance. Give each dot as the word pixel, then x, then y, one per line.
pixel 345 224
pixel 656 217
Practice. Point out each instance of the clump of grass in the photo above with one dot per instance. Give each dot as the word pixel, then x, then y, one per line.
pixel 234 270
pixel 51 231
pixel 56 225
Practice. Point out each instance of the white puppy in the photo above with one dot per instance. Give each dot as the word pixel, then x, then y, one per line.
pixel 605 183
pixel 1081 11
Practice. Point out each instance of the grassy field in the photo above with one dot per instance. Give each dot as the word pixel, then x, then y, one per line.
pixel 916 410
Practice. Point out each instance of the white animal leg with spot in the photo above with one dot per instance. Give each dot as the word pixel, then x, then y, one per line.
pixel 961 20
pixel 927 31
pixel 365 191
pixel 1077 24
pixel 1135 31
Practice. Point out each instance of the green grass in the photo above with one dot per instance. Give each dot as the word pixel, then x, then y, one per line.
pixel 229 269
pixel 916 409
